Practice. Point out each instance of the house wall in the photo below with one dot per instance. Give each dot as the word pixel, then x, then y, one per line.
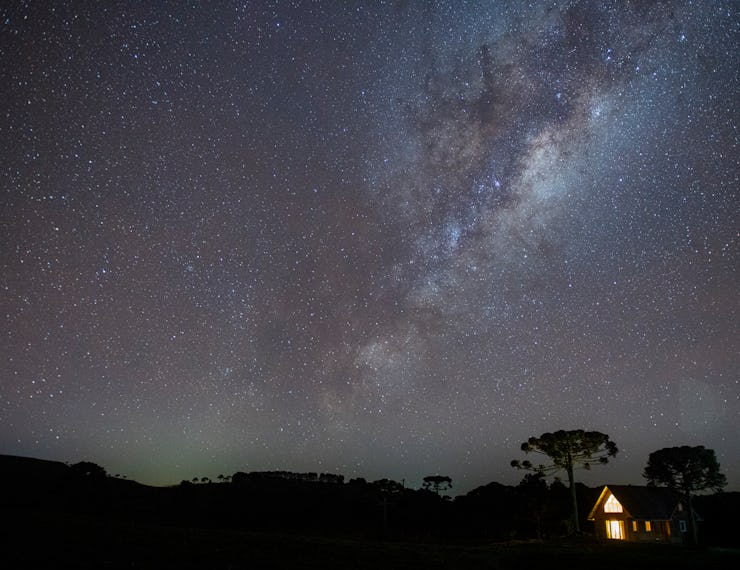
pixel 677 535
pixel 601 518
pixel 661 531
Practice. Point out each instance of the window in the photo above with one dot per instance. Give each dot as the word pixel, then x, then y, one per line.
pixel 682 525
pixel 648 526
pixel 612 505
pixel 634 526
pixel 615 530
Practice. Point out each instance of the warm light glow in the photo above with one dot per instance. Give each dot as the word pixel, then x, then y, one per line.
pixel 648 526
pixel 634 526
pixel 615 530
pixel 612 505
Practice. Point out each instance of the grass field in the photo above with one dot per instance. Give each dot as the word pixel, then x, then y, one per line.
pixel 51 541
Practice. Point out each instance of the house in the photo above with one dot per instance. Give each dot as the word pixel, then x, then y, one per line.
pixel 640 514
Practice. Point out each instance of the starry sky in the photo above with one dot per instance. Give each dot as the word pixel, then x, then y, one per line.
pixel 382 239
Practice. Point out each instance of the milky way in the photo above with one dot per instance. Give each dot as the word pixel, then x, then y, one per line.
pixel 378 239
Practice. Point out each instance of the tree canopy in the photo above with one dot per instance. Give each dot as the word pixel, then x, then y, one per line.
pixel 437 483
pixel 686 469
pixel 88 469
pixel 568 450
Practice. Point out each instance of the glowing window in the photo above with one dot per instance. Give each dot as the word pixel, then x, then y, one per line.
pixel 615 530
pixel 648 526
pixel 634 526
pixel 612 505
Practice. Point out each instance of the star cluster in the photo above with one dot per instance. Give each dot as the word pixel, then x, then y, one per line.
pixel 381 239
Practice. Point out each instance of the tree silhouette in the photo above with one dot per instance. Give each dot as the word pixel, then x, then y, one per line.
pixel 568 450
pixel 437 483
pixel 534 492
pixel 89 470
pixel 388 486
pixel 687 470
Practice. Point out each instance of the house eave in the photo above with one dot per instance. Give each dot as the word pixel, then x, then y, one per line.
pixel 592 514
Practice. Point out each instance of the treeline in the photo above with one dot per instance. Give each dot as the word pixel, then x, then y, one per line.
pixel 311 477
pixel 320 504
pixel 286 501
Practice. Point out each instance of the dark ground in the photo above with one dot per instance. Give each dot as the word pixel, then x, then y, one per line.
pixel 80 541
pixel 58 516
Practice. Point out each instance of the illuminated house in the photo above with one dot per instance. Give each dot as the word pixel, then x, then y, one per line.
pixel 640 514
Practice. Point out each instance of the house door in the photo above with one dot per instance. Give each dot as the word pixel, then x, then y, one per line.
pixel 615 530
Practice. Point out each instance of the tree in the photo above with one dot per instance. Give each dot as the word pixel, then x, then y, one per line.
pixel 437 483
pixel 568 450
pixel 533 491
pixel 388 487
pixel 88 470
pixel 687 470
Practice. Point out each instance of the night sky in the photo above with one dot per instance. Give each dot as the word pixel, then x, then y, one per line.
pixel 381 239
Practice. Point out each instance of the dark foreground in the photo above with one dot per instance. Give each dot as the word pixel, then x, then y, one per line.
pixel 51 541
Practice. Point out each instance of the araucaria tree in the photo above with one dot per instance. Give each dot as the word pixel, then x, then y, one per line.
pixel 437 483
pixel 568 451
pixel 687 470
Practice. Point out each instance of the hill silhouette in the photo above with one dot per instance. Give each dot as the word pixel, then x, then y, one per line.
pixel 86 507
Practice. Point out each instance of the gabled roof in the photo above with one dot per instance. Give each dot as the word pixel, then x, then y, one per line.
pixel 645 503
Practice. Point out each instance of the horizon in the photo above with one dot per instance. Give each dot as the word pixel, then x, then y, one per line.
pixel 388 240
pixel 587 477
